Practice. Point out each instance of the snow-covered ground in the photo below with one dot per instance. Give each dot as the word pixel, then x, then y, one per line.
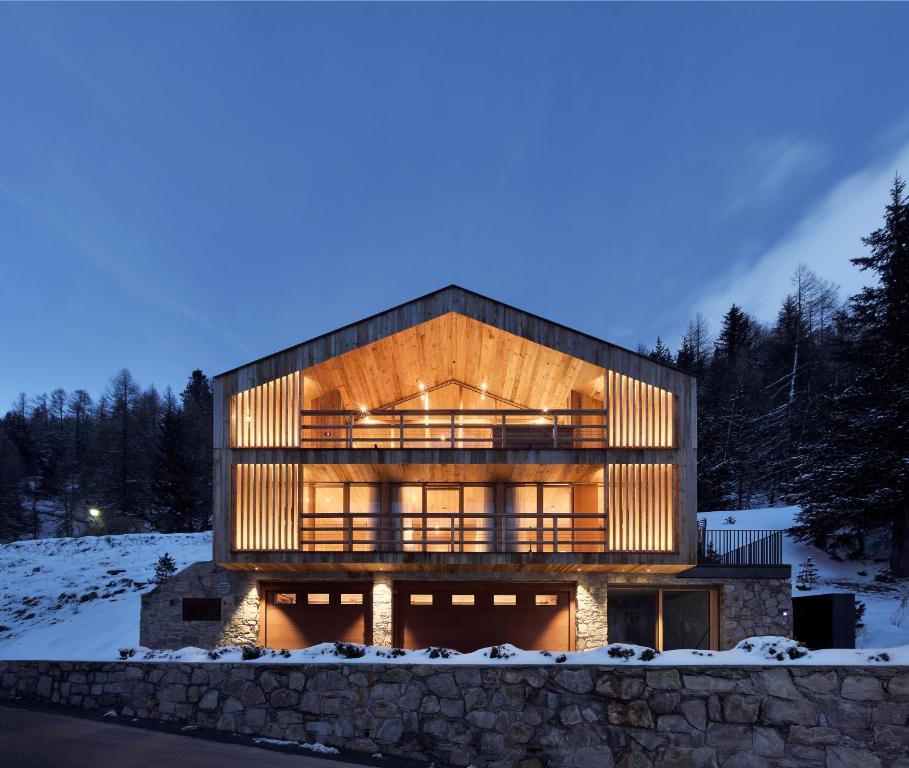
pixel 881 599
pixel 79 599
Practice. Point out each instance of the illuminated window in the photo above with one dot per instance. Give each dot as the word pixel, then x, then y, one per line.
pixel 462 599
pixel 504 599
pixel 421 599
pixel 285 598
pixel 546 599
pixel 351 598
pixel 318 598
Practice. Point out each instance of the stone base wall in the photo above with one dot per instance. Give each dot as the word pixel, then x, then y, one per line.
pixel 558 716
pixel 747 607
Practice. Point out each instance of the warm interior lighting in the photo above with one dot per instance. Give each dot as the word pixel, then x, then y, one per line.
pixel 285 598
pixel 462 599
pixel 504 599
pixel 351 598
pixel 421 599
pixel 318 598
pixel 546 599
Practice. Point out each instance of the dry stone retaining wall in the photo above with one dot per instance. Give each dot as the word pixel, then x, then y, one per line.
pixel 516 716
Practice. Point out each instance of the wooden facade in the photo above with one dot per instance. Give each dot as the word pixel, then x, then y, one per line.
pixel 455 390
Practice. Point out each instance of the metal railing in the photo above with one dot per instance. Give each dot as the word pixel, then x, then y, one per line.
pixel 454 532
pixel 563 428
pixel 739 546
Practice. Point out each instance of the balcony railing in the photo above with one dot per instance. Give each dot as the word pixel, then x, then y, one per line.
pixel 739 546
pixel 564 428
pixel 460 532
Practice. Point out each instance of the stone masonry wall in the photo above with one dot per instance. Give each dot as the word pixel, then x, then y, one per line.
pixel 515 716
pixel 747 607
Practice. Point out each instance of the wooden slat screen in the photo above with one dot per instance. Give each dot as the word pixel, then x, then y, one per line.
pixel 268 416
pixel 642 507
pixel 266 506
pixel 640 415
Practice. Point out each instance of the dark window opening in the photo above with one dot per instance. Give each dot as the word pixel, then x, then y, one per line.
pixel 632 616
pixel 201 609
pixel 686 620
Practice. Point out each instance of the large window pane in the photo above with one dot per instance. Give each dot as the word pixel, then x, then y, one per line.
pixel 589 529
pixel 479 523
pixel 686 619
pixel 631 616
pixel 407 510
pixel 556 516
pixel 322 525
pixel 442 518
pixel 521 518
pixel 364 516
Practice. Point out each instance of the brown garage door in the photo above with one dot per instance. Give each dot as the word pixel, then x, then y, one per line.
pixel 470 615
pixel 298 615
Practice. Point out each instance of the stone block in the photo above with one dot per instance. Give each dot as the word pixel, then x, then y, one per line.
pixel 862 688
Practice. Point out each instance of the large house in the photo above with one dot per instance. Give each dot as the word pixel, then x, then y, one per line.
pixel 457 472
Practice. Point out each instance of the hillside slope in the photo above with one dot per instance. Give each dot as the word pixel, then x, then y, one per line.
pixel 79 598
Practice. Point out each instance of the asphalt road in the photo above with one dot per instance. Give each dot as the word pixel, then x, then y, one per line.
pixel 32 738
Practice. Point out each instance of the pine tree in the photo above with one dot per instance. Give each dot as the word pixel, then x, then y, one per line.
pixel 855 478
pixel 172 490
pixel 165 567
pixel 807 576
pixel 661 353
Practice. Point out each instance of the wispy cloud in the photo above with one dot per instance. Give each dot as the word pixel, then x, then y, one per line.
pixel 769 167
pixel 824 239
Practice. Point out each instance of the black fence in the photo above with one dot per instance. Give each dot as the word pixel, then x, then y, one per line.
pixel 739 546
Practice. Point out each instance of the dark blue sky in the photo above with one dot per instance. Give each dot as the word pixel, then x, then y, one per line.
pixel 197 185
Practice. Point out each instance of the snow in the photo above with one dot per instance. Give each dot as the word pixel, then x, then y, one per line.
pixel 43 580
pixel 881 599
pixel 749 652
pixel 41 616
pixel 314 746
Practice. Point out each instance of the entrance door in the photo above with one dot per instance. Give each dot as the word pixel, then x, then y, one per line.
pixel 470 615
pixel 301 614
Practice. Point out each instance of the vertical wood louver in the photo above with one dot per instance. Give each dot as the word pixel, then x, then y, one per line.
pixel 642 507
pixel 268 415
pixel 640 415
pixel 266 500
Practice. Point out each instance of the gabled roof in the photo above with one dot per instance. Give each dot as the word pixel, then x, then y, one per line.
pixel 454 299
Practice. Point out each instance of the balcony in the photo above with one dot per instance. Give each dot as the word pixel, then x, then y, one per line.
pixel 514 429
pixel 739 546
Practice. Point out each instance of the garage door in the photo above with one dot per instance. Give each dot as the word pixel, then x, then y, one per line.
pixel 299 615
pixel 470 615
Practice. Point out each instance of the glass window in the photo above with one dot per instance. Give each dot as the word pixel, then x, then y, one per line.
pixel 546 599
pixel 479 518
pixel 521 518
pixel 686 619
pixel 504 599
pixel 407 509
pixel 589 532
pixel 285 598
pixel 462 599
pixel 631 616
pixel 318 598
pixel 322 525
pixel 557 516
pixel 364 516
pixel 442 518
pixel 351 598
pixel 421 599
